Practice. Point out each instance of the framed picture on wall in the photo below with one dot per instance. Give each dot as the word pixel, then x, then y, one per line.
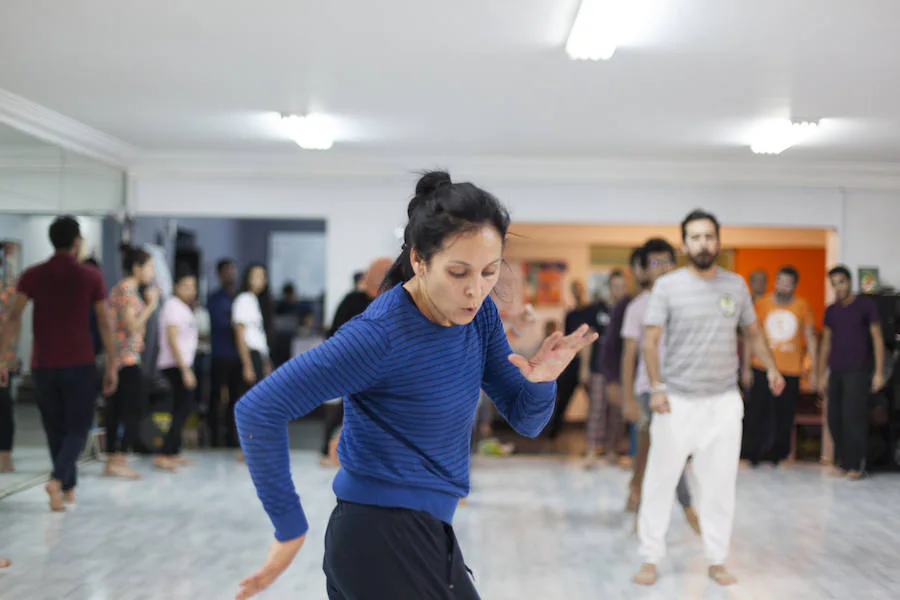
pixel 543 282
pixel 869 281
pixel 598 283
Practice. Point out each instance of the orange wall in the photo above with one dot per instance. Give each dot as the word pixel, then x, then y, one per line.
pixel 809 262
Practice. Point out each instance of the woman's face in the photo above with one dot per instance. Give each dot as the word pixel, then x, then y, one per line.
pixel 462 274
pixel 186 290
pixel 257 280
pixel 145 273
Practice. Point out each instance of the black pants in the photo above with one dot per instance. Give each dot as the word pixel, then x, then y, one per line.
pixel 770 419
pixel 848 416
pixel 566 385
pixel 125 407
pixel 66 398
pixel 334 418
pixel 226 373
pixel 376 553
pixel 182 404
pixel 7 420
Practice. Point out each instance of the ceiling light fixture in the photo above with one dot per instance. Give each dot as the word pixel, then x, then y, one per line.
pixel 594 33
pixel 312 132
pixel 778 135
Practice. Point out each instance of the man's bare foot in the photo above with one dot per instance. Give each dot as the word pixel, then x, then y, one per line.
pixel 4 562
pixel 720 575
pixel 165 463
pixel 646 575
pixel 6 463
pixel 693 520
pixel 69 496
pixel 184 461
pixel 54 490
pixel 837 472
pixel 854 475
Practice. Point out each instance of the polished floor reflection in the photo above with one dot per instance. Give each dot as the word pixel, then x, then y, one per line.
pixel 534 528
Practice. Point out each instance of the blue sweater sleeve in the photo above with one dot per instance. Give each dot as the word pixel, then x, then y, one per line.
pixel 347 363
pixel 525 405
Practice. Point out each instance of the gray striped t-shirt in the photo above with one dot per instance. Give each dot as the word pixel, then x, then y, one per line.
pixel 701 318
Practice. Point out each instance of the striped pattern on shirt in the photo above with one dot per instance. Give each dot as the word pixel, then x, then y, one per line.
pixel 411 389
pixel 701 319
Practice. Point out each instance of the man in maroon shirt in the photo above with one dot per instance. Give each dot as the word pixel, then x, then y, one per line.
pixel 62 363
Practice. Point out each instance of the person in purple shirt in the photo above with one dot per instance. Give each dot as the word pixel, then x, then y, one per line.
pixel 853 349
pixel 610 355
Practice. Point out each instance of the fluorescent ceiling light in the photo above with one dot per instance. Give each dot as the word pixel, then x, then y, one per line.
pixel 594 32
pixel 312 132
pixel 778 135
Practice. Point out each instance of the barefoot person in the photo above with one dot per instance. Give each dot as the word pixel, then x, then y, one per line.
pixel 62 359
pixel 657 258
pixel 410 368
pixel 130 312
pixel 695 395
pixel 178 341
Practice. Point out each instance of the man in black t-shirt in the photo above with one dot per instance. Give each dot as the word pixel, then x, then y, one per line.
pixel 596 316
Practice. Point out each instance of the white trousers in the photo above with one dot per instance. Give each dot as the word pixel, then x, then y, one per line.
pixel 709 428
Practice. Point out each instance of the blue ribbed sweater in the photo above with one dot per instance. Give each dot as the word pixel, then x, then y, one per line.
pixel 411 388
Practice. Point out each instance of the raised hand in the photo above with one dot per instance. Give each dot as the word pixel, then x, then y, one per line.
pixel 554 355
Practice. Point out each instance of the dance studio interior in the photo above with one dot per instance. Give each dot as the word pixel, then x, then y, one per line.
pixel 231 178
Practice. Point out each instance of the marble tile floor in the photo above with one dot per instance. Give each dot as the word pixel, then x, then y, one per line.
pixel 537 528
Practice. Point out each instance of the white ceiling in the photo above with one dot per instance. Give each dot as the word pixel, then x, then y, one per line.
pixel 463 77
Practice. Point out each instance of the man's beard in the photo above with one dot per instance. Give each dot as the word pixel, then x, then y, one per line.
pixel 783 298
pixel 703 260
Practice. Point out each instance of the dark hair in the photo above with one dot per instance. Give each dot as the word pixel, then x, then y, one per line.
pixel 288 288
pixel 90 260
pixel 133 257
pixel 790 270
pixel 698 215
pixel 441 209
pixel 655 246
pixel 245 280
pixel 637 256
pixel 357 277
pixel 220 266
pixel 840 270
pixel 616 273
pixel 63 232
pixel 182 274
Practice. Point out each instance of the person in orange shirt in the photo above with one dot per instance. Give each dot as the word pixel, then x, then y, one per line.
pixel 789 327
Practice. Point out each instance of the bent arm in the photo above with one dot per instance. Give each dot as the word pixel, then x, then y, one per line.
pixel 526 405
pixel 348 363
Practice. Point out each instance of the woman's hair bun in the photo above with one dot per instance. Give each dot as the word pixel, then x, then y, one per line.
pixel 431 181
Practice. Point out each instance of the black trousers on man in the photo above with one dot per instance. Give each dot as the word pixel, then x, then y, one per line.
pixel 848 416
pixel 770 419
pixel 378 553
pixel 67 399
